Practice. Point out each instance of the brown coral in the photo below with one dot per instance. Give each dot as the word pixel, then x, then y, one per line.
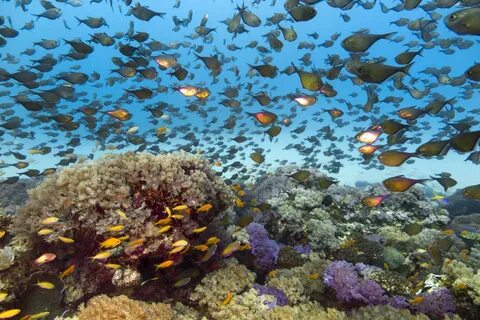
pixel 123 308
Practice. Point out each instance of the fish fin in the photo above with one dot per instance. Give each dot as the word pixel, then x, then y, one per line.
pixel 406 69
pixel 79 20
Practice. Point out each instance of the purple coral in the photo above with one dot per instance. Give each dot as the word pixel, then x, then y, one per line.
pixel 437 304
pixel 399 302
pixel 264 249
pixel 305 249
pixel 349 287
pixel 280 296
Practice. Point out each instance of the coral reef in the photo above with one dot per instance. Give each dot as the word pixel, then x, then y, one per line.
pixel 103 307
pixel 132 211
pixel 264 249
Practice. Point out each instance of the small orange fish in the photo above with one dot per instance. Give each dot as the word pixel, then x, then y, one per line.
pixel 227 299
pixel 374 201
pixel 2 233
pixel 110 243
pixel 201 247
pixel 164 221
pixel 177 216
pixel 416 300
pixel 67 272
pixel 165 264
pixel 45 258
pixel 205 208
pixel 120 114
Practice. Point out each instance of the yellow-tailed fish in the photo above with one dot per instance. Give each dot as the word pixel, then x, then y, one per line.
pixel 66 240
pixel 164 229
pixel 110 243
pixel 230 249
pixel 103 255
pixel 49 220
pixel 205 208
pixel 45 285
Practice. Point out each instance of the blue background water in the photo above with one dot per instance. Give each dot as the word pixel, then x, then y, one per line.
pixel 326 23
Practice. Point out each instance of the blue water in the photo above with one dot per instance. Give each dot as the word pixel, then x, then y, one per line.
pixel 209 132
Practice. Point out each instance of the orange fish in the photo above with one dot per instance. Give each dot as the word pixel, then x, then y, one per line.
pixel 368 136
pixel 368 149
pixel 264 117
pixel 374 201
pixel 120 114
pixel 394 158
pixel 227 299
pixel 401 183
pixel 67 272
pixel 45 258
pixel 205 208
pixel 165 264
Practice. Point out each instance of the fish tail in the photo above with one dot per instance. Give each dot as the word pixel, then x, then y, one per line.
pixel 79 20
pixel 388 35
pixel 406 69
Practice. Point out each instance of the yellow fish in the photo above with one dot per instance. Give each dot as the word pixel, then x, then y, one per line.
pixel 182 282
pixel 165 264
pixel 437 197
pixel 2 233
pixel 49 220
pixel 212 241
pixel 122 214
pixel 180 208
pixel 113 266
pixel 198 230
pixel 101 255
pixel 177 216
pixel 230 249
pixel 3 296
pixel 7 314
pixel 205 208
pixel 168 211
pixel 45 232
pixel 124 238
pixel 164 229
pixel 110 243
pixel 66 240
pixel 180 243
pixel 176 250
pixel 116 228
pixel 39 315
pixel 45 285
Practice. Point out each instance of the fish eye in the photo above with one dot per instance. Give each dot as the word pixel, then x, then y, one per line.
pixel 361 69
pixel 452 17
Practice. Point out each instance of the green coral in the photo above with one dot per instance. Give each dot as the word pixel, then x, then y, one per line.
pixel 462 276
pixel 302 283
pixel 393 257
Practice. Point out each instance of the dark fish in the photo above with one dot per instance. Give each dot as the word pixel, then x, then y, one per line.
pixel 445 181
pixel 470 192
pixel 413 229
pixel 465 141
pixel 301 175
pixel 464 22
pixel 302 13
pixel 434 148
pixel 360 42
pixel 394 158
pixel 377 72
pixel 144 13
